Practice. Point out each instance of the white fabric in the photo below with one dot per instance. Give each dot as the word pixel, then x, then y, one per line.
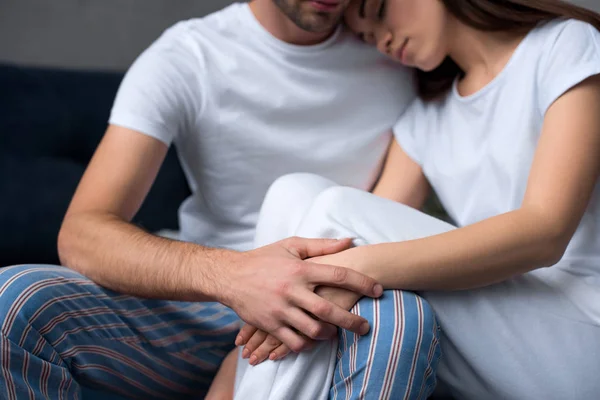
pixel 477 151
pixel 519 340
pixel 300 204
pixel 244 108
pixel 307 375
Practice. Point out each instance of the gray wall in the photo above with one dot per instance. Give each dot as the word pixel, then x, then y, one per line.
pixel 102 34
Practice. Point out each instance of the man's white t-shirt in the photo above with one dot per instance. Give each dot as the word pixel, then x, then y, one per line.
pixel 477 151
pixel 244 108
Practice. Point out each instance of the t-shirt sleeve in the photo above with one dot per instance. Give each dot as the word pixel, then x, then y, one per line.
pixel 161 94
pixel 572 56
pixel 411 130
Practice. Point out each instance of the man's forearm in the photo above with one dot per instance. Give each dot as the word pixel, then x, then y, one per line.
pixel 126 259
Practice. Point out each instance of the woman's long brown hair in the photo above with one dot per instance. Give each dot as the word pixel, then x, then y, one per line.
pixel 497 16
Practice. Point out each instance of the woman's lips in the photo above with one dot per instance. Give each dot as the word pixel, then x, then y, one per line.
pixel 325 5
pixel 401 52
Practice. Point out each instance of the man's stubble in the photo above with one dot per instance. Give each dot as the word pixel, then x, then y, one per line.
pixel 310 21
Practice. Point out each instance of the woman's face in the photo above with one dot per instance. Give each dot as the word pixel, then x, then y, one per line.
pixel 412 32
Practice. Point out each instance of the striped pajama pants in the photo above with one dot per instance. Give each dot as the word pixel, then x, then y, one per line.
pixel 61 334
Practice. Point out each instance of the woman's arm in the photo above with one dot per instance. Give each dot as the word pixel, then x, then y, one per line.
pixel 402 179
pixel 563 176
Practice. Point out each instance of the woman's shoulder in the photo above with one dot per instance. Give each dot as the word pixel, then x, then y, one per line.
pixel 559 33
pixel 568 52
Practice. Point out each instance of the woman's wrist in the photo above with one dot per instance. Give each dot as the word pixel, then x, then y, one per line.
pixel 342 297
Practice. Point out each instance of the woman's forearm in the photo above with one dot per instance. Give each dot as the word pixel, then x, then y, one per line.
pixel 474 256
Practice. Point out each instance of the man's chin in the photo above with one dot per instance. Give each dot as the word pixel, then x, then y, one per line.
pixel 318 23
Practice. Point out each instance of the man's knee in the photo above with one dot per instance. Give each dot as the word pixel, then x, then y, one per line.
pixel 26 289
pixel 404 331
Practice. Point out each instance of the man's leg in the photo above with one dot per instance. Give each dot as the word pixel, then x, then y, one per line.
pixel 60 331
pixel 397 359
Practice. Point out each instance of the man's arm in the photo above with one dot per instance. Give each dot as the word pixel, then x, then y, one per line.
pixel 97 240
pixel 271 287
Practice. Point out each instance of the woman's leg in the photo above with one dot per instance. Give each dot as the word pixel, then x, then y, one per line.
pixel 525 338
pixel 397 359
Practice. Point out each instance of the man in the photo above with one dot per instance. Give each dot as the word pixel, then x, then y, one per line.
pixel 247 94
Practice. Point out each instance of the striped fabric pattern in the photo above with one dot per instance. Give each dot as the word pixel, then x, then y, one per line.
pixel 396 360
pixel 58 330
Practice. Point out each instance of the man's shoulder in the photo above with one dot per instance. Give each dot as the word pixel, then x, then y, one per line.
pixel 211 27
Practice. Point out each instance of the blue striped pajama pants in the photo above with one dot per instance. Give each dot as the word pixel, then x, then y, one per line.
pixel 60 333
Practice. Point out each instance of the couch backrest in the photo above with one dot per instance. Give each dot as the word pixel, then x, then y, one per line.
pixel 89 33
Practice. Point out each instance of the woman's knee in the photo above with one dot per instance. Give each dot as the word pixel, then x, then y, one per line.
pixel 334 213
pixel 297 187
pixel 287 201
pixel 339 203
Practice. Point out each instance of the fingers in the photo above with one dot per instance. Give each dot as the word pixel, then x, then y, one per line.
pixel 294 341
pixel 329 312
pixel 308 326
pixel 261 353
pixel 245 334
pixel 255 341
pixel 279 353
pixel 329 275
pixel 306 248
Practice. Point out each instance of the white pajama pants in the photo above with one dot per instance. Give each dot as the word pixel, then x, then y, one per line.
pixel 530 337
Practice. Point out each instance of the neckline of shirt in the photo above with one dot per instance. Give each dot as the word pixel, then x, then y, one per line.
pixel 496 81
pixel 257 27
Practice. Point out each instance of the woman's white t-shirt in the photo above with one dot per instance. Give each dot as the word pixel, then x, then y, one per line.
pixel 477 151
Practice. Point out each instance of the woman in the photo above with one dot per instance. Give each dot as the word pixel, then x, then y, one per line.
pixel 507 133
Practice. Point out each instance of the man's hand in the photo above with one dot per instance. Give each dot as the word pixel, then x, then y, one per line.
pixel 273 289
pixel 258 345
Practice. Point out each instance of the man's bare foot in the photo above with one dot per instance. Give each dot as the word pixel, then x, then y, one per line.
pixel 222 386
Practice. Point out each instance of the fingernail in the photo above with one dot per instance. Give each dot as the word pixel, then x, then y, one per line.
pixel 378 290
pixel 272 356
pixel 238 340
pixel 245 353
pixel 364 328
pixel 253 360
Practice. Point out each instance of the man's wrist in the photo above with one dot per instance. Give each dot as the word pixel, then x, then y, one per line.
pixel 207 271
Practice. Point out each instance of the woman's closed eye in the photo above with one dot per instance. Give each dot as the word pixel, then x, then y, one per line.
pixel 368 38
pixel 381 10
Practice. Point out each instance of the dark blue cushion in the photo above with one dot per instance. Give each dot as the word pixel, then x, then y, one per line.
pixel 50 124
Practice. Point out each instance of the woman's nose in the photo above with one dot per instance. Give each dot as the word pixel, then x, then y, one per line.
pixel 384 42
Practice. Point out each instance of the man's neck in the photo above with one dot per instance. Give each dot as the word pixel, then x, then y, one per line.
pixel 280 26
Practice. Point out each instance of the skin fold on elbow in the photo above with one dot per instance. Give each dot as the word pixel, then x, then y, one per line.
pixel 66 243
pixel 550 238
pixel 553 247
pixel 71 240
